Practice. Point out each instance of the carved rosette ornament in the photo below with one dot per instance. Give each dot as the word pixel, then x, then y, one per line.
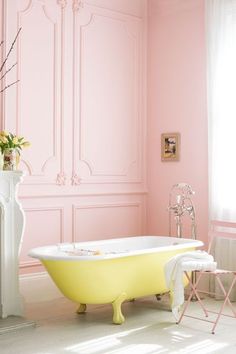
pixel 77 5
pixel 61 179
pixel 75 180
pixel 62 3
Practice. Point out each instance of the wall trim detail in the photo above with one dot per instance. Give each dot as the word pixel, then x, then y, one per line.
pixel 61 179
pixel 62 3
pixel 79 160
pixel 61 209
pixel 79 194
pixel 20 15
pixel 77 5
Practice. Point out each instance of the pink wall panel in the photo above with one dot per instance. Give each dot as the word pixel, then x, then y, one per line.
pixel 44 226
pixel 32 107
pixel 106 146
pixel 177 103
pixel 94 222
pixel 79 98
pixel 38 62
pixel 109 107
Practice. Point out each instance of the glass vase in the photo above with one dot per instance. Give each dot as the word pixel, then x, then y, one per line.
pixel 10 162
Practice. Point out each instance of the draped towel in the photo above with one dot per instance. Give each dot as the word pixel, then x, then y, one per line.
pixel 174 268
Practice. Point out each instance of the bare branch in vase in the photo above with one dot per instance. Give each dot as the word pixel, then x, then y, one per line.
pixel 6 87
pixel 9 52
pixel 8 71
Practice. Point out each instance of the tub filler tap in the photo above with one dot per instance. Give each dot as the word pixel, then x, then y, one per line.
pixel 180 203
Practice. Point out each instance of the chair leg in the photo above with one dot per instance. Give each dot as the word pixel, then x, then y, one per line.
pixel 227 300
pixel 198 297
pixel 193 292
pixel 227 294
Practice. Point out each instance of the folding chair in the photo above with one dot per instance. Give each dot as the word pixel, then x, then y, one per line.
pixel 226 230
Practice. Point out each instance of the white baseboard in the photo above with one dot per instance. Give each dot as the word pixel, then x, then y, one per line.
pixel 38 287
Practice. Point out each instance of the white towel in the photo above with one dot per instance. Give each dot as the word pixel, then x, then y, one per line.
pixel 189 261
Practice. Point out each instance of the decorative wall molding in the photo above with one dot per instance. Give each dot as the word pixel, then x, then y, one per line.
pixel 75 180
pixel 131 172
pixel 107 205
pixel 77 5
pixel 116 12
pixel 68 166
pixel 24 17
pixel 84 194
pixel 61 239
pixel 128 170
pixel 61 179
pixel 62 3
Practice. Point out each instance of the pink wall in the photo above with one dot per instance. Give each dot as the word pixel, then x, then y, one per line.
pixel 177 103
pixel 87 103
pixel 80 102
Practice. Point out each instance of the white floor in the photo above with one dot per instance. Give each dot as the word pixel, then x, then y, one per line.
pixel 149 329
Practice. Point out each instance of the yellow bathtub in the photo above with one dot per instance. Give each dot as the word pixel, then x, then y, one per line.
pixel 111 271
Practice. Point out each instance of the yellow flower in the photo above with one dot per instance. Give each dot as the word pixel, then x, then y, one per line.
pixel 15 140
pixel 4 133
pixel 3 139
pixel 9 140
pixel 26 144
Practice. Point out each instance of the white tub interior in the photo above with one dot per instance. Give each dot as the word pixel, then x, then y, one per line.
pixel 113 248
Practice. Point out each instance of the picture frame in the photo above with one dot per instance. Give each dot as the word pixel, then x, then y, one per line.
pixel 170 147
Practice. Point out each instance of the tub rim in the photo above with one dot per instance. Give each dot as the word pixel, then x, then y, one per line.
pixel 43 252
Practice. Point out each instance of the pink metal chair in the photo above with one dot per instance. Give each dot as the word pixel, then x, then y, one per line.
pixel 218 229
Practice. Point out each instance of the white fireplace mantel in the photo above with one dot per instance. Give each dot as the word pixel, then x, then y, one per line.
pixel 12 223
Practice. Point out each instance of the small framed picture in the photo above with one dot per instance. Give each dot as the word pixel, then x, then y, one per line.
pixel 170 146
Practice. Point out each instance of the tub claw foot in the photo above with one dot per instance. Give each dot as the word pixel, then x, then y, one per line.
pixel 118 317
pixel 158 297
pixel 81 309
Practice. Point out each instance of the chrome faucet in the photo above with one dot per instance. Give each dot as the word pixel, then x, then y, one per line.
pixel 182 205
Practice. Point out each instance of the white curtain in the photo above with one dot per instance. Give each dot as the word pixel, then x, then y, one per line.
pixel 221 45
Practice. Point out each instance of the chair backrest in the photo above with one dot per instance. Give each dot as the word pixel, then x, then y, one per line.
pixel 223 229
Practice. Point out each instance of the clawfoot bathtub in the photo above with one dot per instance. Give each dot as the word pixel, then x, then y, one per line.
pixel 111 271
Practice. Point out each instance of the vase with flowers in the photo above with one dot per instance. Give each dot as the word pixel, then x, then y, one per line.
pixel 11 146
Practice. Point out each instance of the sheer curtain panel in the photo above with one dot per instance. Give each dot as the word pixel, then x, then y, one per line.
pixel 221 46
pixel 221 43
